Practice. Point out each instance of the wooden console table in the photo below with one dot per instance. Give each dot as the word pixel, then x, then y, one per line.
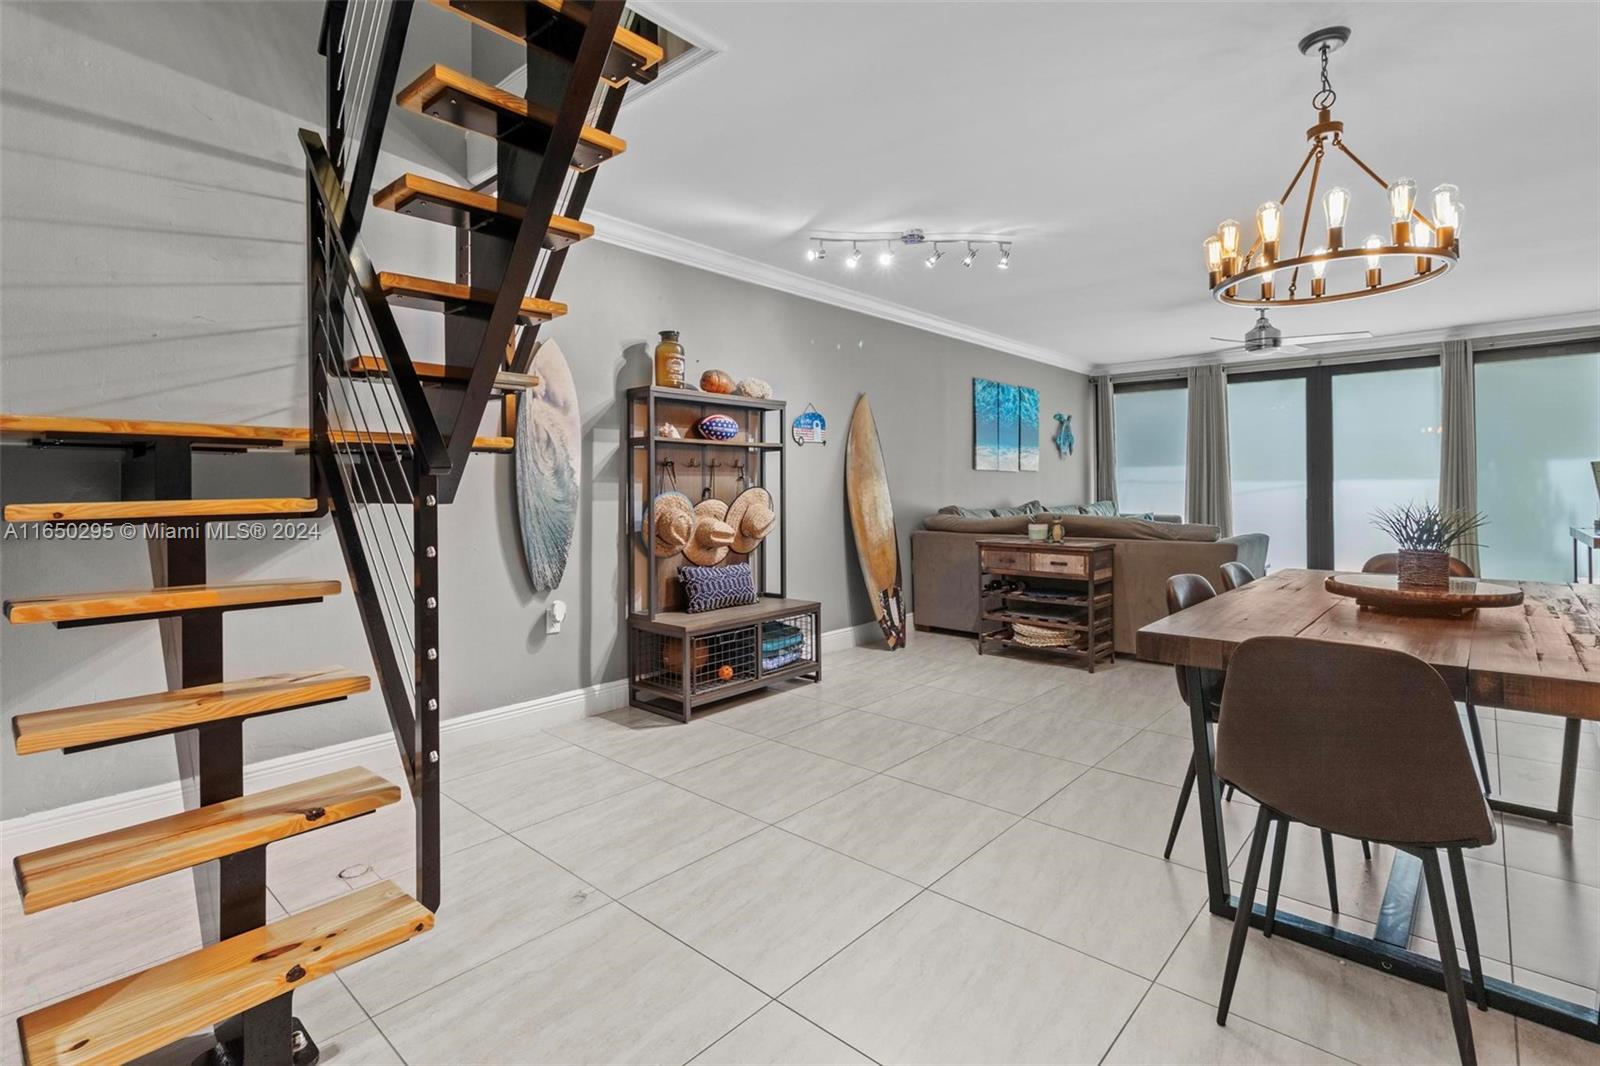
pixel 1061 585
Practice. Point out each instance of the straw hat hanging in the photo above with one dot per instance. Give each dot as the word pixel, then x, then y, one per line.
pixel 711 536
pixel 752 518
pixel 674 521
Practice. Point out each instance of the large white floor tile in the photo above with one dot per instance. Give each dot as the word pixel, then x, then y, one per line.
pixel 608 988
pixel 939 708
pixel 1152 756
pixel 523 793
pixel 777 1036
pixel 910 831
pixel 772 714
pixel 1127 909
pixel 1051 732
pixel 770 781
pixel 653 743
pixel 1170 1029
pixel 868 740
pixel 992 774
pixel 494 896
pixel 938 982
pixel 771 907
pixel 629 840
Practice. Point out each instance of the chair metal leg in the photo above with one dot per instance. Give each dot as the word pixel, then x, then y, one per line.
pixel 1333 879
pixel 1460 1017
pixel 1241 917
pixel 1280 843
pixel 1177 815
pixel 1228 795
pixel 1469 925
pixel 1366 849
pixel 1477 745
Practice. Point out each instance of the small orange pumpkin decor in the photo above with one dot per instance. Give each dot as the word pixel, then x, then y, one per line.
pixel 716 381
pixel 725 672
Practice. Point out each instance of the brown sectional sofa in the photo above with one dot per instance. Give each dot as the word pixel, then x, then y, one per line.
pixel 944 564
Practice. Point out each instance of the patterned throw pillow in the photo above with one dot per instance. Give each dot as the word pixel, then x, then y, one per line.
pixel 1031 507
pixel 711 588
pixel 1105 507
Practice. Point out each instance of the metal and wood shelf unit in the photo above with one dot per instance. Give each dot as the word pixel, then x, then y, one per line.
pixel 679 661
pixel 1064 586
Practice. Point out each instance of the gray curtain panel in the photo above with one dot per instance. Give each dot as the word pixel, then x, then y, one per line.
pixel 1458 444
pixel 1105 441
pixel 1208 486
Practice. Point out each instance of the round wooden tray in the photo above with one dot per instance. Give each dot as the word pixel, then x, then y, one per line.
pixel 1383 592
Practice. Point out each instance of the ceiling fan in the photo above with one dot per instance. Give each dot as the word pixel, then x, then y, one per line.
pixel 1265 337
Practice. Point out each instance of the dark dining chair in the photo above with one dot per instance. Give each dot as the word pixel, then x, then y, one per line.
pixel 1235 575
pixel 1186 590
pixel 1363 742
pixel 1389 563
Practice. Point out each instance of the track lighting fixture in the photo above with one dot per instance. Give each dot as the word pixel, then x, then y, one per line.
pixel 916 238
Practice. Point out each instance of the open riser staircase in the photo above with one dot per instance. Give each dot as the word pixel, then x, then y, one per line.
pixel 388 438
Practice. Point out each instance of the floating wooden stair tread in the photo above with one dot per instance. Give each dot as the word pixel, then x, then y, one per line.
pixel 136 603
pixel 462 100
pixel 145 1011
pixel 199 434
pixel 631 54
pixel 364 365
pixel 183 708
pixel 436 201
pixel 132 510
pixel 98 864
pixel 431 295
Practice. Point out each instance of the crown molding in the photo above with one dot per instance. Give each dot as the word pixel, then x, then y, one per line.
pixel 624 234
pixel 1574 326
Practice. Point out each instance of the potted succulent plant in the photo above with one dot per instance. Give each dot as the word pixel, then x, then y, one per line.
pixel 1425 534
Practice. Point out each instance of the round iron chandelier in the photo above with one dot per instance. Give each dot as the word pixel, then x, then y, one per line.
pixel 1418 248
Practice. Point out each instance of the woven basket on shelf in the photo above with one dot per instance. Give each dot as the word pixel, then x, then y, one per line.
pixel 1039 636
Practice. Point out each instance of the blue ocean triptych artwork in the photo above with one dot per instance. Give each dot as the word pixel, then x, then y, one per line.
pixel 1005 426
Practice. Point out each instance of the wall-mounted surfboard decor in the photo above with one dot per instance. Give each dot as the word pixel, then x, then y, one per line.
pixel 866 487
pixel 548 433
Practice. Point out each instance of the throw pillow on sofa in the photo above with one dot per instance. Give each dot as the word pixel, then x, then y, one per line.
pixel 1031 507
pixel 1101 507
pixel 967 512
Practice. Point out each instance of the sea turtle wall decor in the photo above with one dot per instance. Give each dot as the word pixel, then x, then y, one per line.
pixel 1064 440
pixel 549 432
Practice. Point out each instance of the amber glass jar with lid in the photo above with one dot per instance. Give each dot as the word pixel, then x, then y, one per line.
pixel 669 360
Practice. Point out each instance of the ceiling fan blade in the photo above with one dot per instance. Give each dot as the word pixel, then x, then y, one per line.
pixel 1318 338
pixel 1229 340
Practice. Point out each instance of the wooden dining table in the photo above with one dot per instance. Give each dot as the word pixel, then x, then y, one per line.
pixel 1542 656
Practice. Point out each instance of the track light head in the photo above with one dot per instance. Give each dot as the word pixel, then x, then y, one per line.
pixel 855 256
pixel 972 253
pixel 822 252
pixel 1005 257
pixel 813 254
pixel 937 254
pixel 886 257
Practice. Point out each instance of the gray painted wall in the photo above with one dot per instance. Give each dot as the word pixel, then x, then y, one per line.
pixel 152 267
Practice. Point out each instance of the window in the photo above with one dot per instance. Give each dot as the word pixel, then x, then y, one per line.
pixel 1151 424
pixel 1538 431
pixel 1385 452
pixel 1267 459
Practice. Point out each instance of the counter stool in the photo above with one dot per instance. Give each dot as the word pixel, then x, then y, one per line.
pixel 1362 742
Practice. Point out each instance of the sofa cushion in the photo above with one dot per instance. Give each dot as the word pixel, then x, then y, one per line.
pixel 1065 508
pixel 1031 507
pixel 991 526
pixel 967 512
pixel 1100 507
pixel 1113 528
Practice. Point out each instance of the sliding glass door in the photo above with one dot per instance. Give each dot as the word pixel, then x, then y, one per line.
pixel 1538 431
pixel 1267 457
pixel 1151 423
pixel 1385 451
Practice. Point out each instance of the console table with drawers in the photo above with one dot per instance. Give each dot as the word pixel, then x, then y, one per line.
pixel 1048 587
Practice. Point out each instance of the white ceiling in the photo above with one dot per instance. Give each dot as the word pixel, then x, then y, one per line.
pixel 1109 139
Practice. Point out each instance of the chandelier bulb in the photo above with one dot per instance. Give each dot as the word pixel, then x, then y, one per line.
pixel 1269 221
pixel 1319 265
pixel 1336 207
pixel 1266 286
pixel 1402 197
pixel 1228 233
pixel 1374 261
pixel 1213 249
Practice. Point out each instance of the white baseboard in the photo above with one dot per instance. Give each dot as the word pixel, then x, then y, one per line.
pixel 378 752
